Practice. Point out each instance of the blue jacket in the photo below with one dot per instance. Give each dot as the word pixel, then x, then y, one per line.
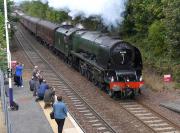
pixel 42 88
pixel 19 70
pixel 60 110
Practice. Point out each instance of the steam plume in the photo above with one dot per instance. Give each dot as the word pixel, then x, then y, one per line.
pixel 110 11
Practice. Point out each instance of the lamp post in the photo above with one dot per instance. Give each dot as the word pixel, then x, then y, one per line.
pixel 8 54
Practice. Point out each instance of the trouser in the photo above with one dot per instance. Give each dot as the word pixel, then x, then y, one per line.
pixel 19 80
pixel 39 98
pixel 36 86
pixel 31 85
pixel 60 123
pixel 15 79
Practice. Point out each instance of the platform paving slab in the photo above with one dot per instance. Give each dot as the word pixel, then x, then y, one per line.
pixel 172 105
pixel 30 117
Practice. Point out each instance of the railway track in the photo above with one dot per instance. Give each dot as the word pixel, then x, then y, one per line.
pixel 91 117
pixel 152 120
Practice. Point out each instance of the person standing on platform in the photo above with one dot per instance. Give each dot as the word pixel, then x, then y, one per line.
pixel 15 77
pixel 31 84
pixel 60 113
pixel 19 72
pixel 40 77
pixel 35 75
pixel 35 70
pixel 14 64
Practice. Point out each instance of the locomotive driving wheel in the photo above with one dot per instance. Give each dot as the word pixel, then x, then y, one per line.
pixel 132 95
pixel 129 93
pixel 89 75
pixel 70 61
pixel 80 70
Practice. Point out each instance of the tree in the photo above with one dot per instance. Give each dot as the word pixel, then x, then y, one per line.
pixel 156 39
pixel 2 27
pixel 172 21
pixel 56 16
pixel 139 15
pixel 154 26
pixel 41 10
pixel 3 61
pixel 2 32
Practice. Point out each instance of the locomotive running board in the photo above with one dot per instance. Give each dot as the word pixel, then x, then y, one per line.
pixel 88 61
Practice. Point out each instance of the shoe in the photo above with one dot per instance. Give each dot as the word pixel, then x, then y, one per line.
pixel 22 86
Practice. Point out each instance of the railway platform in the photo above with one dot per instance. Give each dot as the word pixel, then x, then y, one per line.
pixel 172 105
pixel 32 117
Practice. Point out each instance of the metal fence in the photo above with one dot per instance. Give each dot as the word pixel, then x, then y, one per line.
pixel 4 102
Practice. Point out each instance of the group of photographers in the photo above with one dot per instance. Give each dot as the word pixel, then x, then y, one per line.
pixel 43 91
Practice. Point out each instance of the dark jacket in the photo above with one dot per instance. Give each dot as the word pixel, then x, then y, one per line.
pixel 41 90
pixel 49 96
pixel 35 74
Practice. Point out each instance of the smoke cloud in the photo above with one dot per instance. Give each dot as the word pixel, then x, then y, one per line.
pixel 110 11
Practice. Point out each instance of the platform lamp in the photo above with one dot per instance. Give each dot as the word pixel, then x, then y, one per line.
pixel 8 54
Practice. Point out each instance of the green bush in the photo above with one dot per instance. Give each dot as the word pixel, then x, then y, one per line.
pixel 2 31
pixel 156 39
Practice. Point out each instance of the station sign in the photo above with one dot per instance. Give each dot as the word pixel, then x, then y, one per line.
pixel 13 64
pixel 167 78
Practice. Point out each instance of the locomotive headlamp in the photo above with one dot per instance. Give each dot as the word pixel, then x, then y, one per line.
pixel 141 78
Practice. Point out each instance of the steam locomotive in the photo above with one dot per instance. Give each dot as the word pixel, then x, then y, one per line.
pixel 110 63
